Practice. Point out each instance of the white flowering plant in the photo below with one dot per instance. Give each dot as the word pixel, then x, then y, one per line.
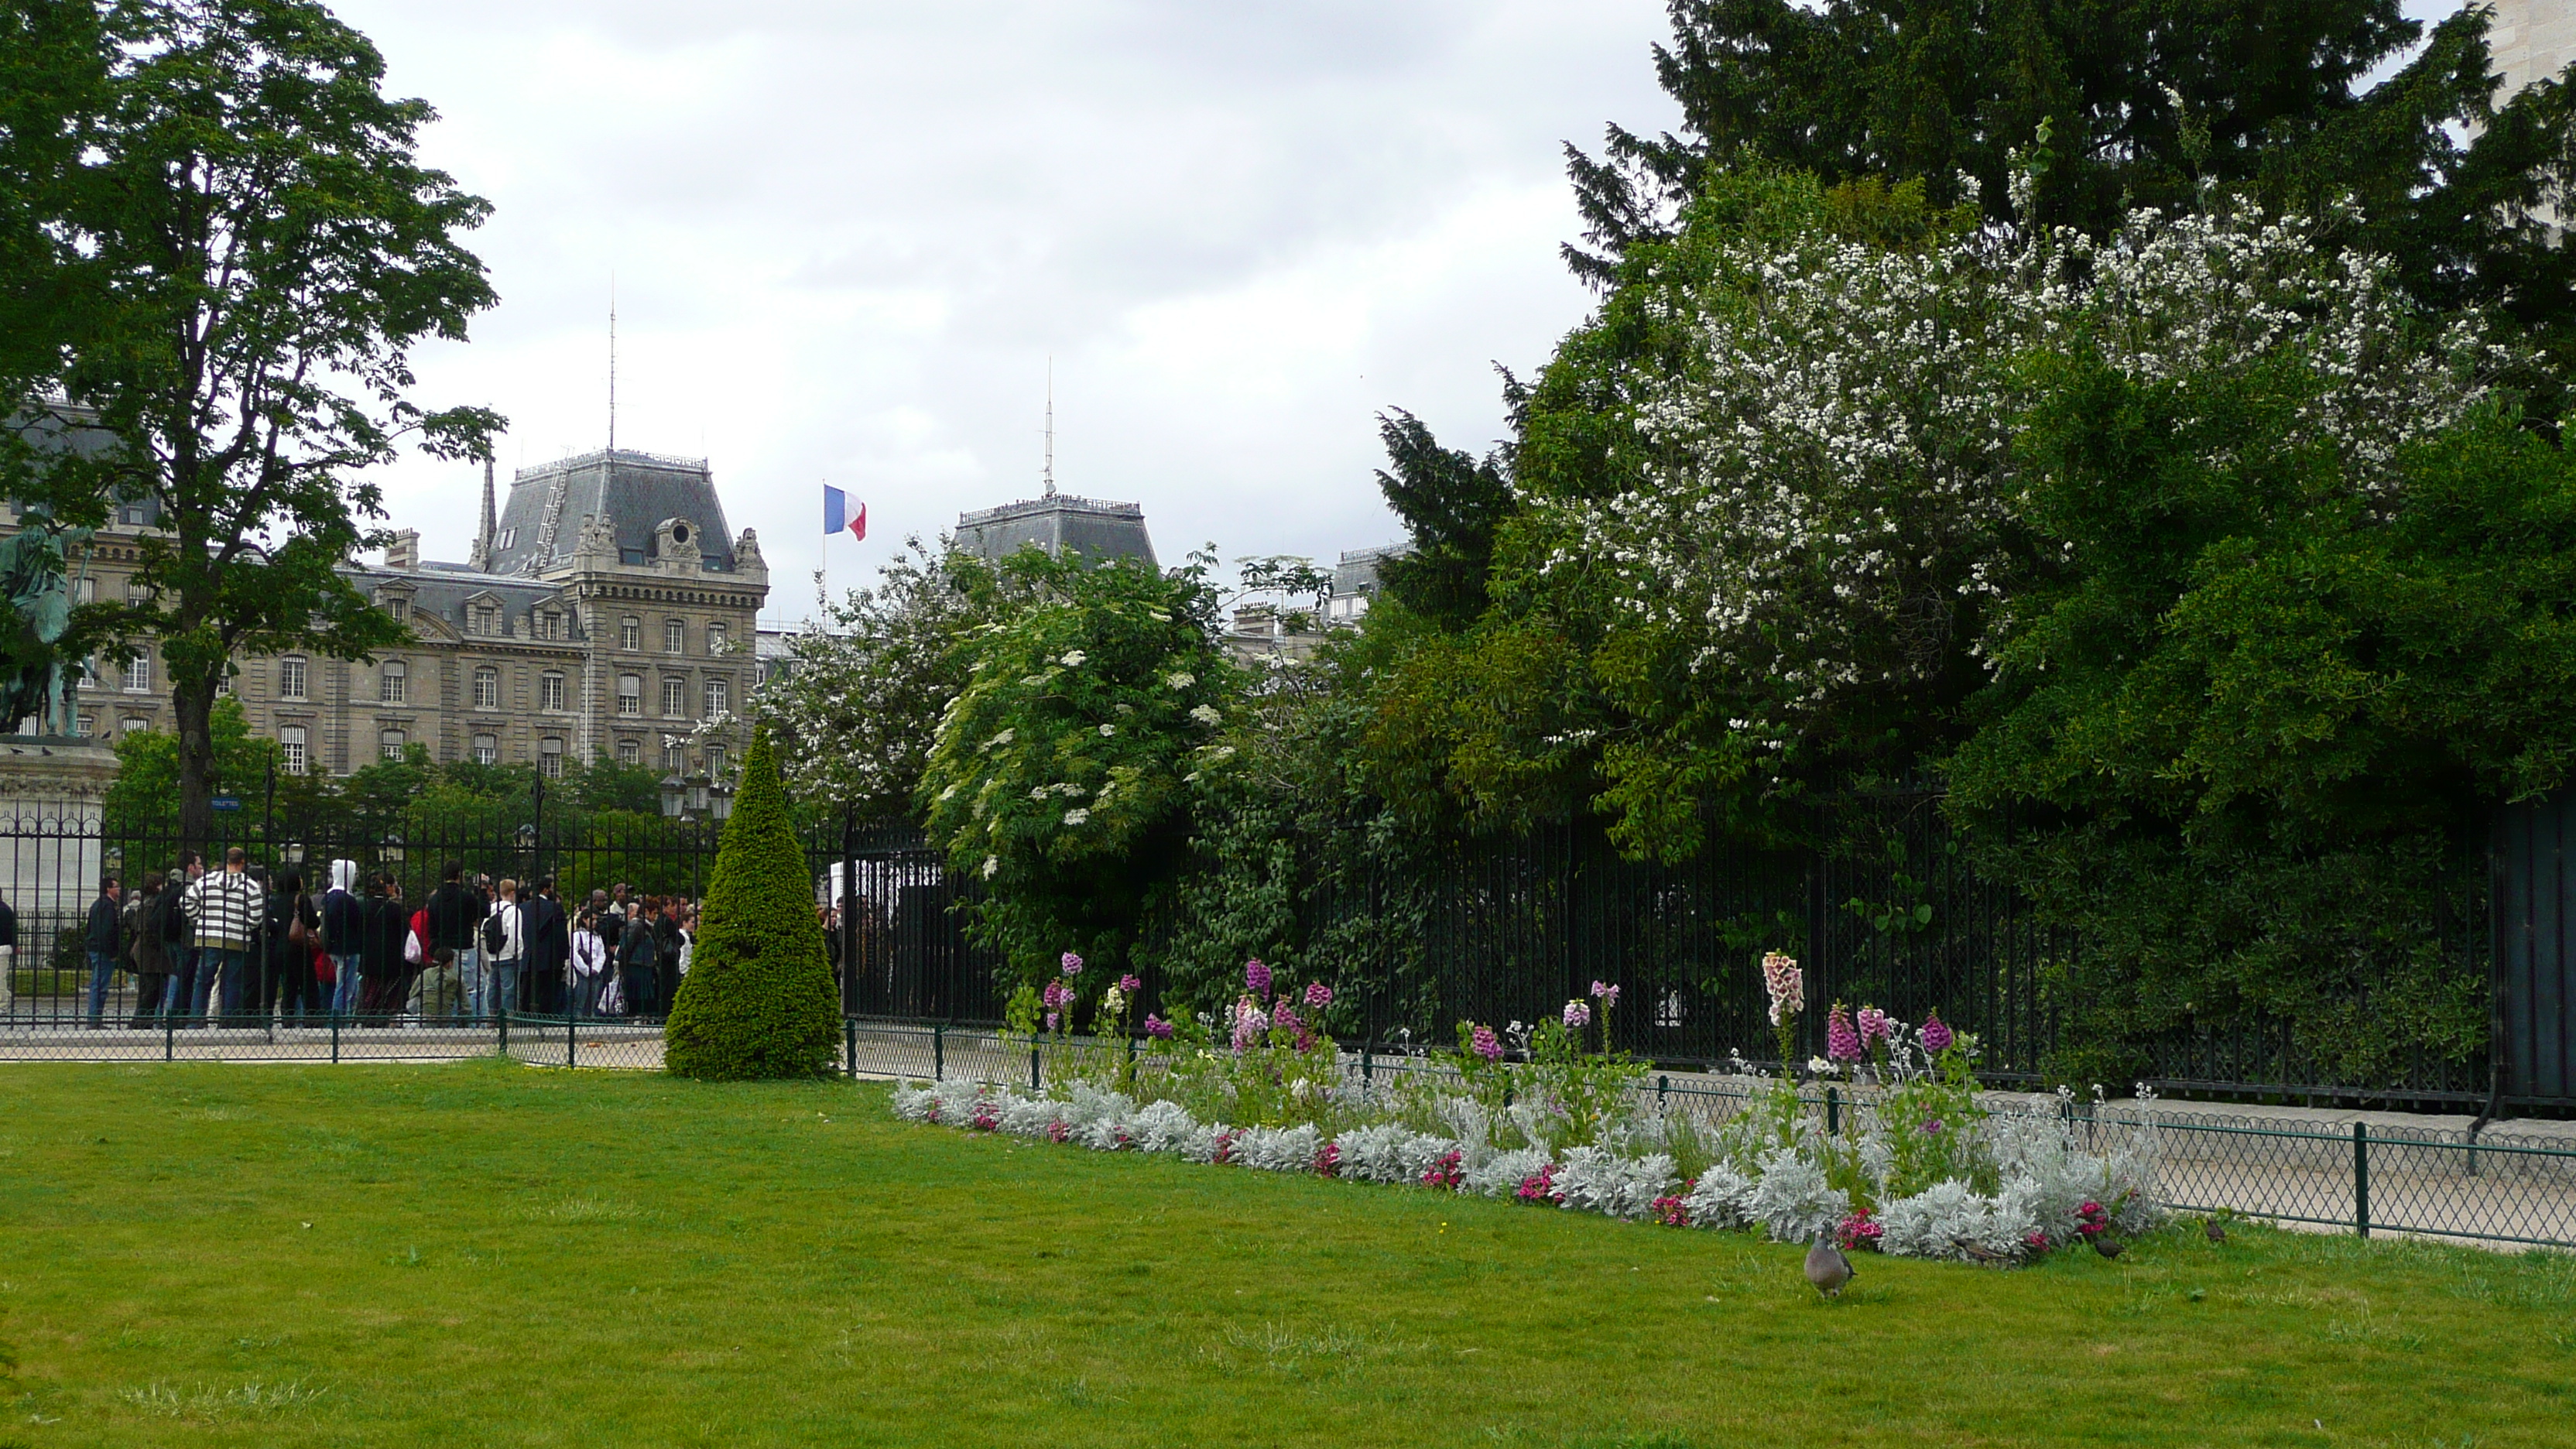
pixel 1058 776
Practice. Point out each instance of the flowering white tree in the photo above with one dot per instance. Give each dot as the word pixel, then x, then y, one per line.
pixel 1834 519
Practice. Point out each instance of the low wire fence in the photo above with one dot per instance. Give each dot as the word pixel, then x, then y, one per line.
pixel 2365 1178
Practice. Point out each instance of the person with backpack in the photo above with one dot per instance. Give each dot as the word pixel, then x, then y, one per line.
pixel 504 941
pixel 637 954
pixel 343 926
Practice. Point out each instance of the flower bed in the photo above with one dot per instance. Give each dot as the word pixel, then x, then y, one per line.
pixel 1922 1166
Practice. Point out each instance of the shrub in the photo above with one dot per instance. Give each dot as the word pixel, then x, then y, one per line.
pixel 758 1001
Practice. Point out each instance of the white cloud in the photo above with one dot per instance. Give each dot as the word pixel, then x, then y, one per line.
pixel 847 238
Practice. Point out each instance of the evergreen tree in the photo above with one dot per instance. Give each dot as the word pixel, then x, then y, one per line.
pixel 759 1001
pixel 1451 503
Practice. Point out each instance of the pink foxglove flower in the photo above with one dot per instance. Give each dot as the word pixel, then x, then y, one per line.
pixel 1157 1028
pixel 1577 1016
pixel 1607 994
pixel 1872 1023
pixel 1131 984
pixel 1936 1035
pixel 1052 1018
pixel 1486 1044
pixel 1249 1024
pixel 1842 1044
pixel 1318 995
pixel 1072 964
pixel 1257 977
pixel 1786 984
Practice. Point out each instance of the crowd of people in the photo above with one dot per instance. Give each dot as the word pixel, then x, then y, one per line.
pixel 237 943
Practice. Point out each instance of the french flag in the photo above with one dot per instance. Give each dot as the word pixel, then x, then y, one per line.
pixel 837 514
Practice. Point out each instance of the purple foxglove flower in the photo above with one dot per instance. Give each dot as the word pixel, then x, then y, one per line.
pixel 1842 1044
pixel 1130 984
pixel 1157 1028
pixel 1072 964
pixel 1936 1036
pixel 1318 995
pixel 1487 1045
pixel 1872 1023
pixel 1607 994
pixel 1257 977
pixel 1051 1021
pixel 1577 1016
pixel 1786 983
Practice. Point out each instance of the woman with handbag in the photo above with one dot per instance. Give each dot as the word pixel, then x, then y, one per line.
pixel 292 925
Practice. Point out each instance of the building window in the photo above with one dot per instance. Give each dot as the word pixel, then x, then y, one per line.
pixel 717 693
pixel 290 747
pixel 715 638
pixel 508 537
pixel 137 593
pixel 550 626
pixel 550 756
pixel 630 633
pixel 87 592
pixel 630 695
pixel 290 679
pixel 138 674
pixel 132 725
pixel 487 749
pixel 224 683
pixel 389 744
pixel 550 691
pixel 630 752
pixel 399 607
pixel 715 759
pixel 675 697
pixel 675 756
pixel 393 682
pixel 89 673
pixel 675 637
pixel 84 725
pixel 487 688
pixel 483 614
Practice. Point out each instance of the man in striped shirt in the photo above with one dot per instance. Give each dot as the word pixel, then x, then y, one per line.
pixel 224 911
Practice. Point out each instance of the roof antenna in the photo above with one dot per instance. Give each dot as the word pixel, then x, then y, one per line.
pixel 1050 427
pixel 612 367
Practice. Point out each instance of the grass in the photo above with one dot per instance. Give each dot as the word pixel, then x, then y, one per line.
pixel 483 1254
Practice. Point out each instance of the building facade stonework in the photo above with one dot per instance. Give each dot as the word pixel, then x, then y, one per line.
pixel 606 613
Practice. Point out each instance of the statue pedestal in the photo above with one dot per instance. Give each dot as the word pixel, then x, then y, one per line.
pixel 52 795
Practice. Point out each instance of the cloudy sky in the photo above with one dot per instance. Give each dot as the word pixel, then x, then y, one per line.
pixel 847 238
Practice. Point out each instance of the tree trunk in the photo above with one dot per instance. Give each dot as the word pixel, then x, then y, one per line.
pixel 193 700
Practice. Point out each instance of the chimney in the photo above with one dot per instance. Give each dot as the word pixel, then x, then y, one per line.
pixel 403 554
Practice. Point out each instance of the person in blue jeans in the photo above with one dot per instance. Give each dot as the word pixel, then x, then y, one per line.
pixel 180 939
pixel 343 921
pixel 106 915
pixel 225 912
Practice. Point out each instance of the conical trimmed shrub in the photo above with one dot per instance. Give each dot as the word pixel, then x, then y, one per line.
pixel 759 1000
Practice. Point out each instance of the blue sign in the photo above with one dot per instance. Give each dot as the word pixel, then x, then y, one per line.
pixel 225 802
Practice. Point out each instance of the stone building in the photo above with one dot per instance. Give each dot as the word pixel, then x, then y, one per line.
pixel 605 612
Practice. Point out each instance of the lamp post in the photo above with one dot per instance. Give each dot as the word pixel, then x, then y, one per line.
pixel 720 801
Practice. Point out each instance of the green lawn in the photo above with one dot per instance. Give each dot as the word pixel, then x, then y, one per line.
pixel 484 1254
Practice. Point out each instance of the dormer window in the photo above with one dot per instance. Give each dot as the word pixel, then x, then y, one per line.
pixel 483 618
pixel 399 607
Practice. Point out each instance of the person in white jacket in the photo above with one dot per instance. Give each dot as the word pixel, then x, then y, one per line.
pixel 589 959
pixel 505 945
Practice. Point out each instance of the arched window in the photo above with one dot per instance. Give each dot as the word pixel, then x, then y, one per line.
pixel 630 695
pixel 487 749
pixel 675 637
pixel 290 745
pixel 630 633
pixel 393 682
pixel 675 696
pixel 550 757
pixel 715 638
pixel 550 690
pixel 389 744
pixel 290 678
pixel 487 688
pixel 133 725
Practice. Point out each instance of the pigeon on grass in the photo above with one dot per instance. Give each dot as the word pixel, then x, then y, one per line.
pixel 2211 1230
pixel 1827 1268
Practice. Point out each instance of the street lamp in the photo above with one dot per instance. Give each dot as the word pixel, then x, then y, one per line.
pixel 720 801
pixel 393 849
pixel 528 837
pixel 697 794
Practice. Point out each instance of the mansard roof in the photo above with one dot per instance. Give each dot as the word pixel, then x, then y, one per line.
pixel 1099 531
pixel 636 491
